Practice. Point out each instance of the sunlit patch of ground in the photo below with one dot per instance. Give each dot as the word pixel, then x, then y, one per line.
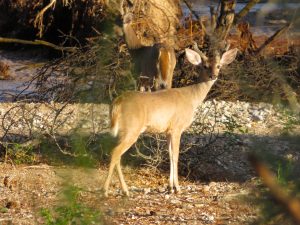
pixel 27 189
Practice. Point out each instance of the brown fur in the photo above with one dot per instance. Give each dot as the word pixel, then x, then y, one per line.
pixel 169 111
pixel 131 39
pixel 114 117
pixel 247 43
pixel 167 62
pixel 4 71
pixel 154 64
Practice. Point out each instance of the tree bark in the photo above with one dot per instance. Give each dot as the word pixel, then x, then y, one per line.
pixel 245 10
pixel 272 38
pixel 225 19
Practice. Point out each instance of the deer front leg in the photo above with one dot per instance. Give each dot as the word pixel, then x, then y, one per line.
pixel 175 140
pixel 171 184
pixel 173 145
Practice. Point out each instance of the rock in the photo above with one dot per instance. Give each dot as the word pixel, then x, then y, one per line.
pixel 257 116
pixel 212 184
pixel 150 212
pixel 190 188
pixel 248 125
pixel 207 218
pixel 187 206
pixel 147 191
pixel 135 189
pixel 199 205
pixel 175 201
pixel 161 190
pixel 206 188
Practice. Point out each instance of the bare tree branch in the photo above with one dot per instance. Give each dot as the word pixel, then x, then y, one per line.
pixel 191 9
pixel 245 10
pixel 272 38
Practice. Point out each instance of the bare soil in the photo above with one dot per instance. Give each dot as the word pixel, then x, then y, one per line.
pixel 27 189
pixel 222 190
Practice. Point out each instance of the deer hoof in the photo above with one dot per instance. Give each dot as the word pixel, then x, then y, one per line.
pixel 170 190
pixel 105 194
pixel 126 193
pixel 177 190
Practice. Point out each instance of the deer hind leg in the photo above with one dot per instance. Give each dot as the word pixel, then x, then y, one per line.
pixel 121 178
pixel 118 151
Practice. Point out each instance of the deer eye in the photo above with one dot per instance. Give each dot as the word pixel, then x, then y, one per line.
pixel 218 67
pixel 206 65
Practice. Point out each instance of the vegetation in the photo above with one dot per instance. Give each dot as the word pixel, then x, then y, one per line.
pixel 99 68
pixel 72 211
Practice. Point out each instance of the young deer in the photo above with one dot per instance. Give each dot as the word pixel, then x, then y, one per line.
pixel 167 111
pixel 155 64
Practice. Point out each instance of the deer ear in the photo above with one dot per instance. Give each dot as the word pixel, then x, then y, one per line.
pixel 192 56
pixel 228 56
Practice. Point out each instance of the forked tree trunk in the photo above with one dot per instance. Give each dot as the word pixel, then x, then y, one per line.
pixel 153 21
pixel 225 19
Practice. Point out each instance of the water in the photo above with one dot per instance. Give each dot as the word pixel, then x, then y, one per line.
pixel 202 8
pixel 264 18
pixel 22 69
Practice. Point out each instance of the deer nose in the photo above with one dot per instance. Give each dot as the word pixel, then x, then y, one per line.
pixel 163 86
pixel 213 77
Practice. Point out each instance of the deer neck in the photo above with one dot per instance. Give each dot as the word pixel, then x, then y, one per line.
pixel 200 91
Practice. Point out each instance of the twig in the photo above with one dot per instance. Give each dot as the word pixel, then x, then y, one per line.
pixel 191 9
pixel 38 22
pixel 213 18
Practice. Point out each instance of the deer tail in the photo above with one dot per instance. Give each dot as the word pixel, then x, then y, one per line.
pixel 114 119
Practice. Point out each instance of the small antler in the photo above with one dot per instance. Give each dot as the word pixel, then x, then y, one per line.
pixel 202 55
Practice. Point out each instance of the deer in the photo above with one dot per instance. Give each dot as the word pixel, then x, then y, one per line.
pixel 154 64
pixel 168 111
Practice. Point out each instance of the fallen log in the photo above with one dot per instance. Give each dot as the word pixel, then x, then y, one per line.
pixel 38 42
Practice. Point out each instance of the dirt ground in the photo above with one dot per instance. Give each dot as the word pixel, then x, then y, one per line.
pixel 27 189
pixel 221 191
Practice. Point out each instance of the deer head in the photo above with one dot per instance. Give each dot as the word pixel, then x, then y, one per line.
pixel 210 66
